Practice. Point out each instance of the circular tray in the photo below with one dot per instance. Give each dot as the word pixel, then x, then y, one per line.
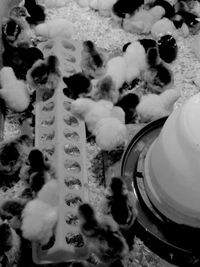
pixel 169 240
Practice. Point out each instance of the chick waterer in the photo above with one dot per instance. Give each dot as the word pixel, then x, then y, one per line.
pixel 164 160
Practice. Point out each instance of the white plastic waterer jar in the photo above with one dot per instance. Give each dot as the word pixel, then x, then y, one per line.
pixel 172 166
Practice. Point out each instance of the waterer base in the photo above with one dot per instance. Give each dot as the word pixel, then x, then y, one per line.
pixel 175 243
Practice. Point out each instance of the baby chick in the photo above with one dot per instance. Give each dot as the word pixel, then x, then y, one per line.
pixel 158 78
pixel 10 245
pixel 117 198
pixel 109 85
pixel 92 61
pixel 37 172
pixel 77 85
pixel 14 92
pixel 128 103
pixel 168 48
pixel 36 12
pixel 153 106
pixel 103 237
pixel 12 157
pixel 126 8
pixel 44 74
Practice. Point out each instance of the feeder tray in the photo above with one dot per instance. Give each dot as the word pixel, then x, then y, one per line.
pixel 62 136
pixel 176 243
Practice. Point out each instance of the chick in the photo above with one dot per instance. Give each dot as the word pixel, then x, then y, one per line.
pixel 37 172
pixel 91 111
pixel 109 85
pixel 10 245
pixel 38 221
pixel 12 156
pixel 44 74
pixel 143 20
pixel 135 58
pixel 126 8
pixel 36 12
pixel 103 6
pixel 54 28
pixel 168 49
pixel 103 237
pixel 77 85
pixel 21 59
pixel 163 27
pixel 93 62
pixel 158 78
pixel 169 9
pixel 14 92
pixel 190 19
pixel 11 210
pixel 110 133
pixel 16 32
pixel 128 103
pixel 40 216
pixel 153 106
pixel 117 198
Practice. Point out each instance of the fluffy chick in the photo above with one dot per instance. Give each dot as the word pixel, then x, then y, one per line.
pixel 44 74
pixel 158 78
pixel 153 106
pixel 77 85
pixel 128 103
pixel 39 170
pixel 135 59
pixel 10 245
pixel 143 20
pixel 54 28
pixel 93 62
pixel 103 237
pixel 55 3
pixel 12 156
pixel 110 133
pixel 11 210
pixel 91 111
pixel 40 215
pixel 117 197
pixel 126 8
pixel 167 47
pixel 21 59
pixel 38 221
pixel 15 33
pixel 163 27
pixel 169 10
pixel 108 86
pixel 103 6
pixel 14 92
pixel 36 12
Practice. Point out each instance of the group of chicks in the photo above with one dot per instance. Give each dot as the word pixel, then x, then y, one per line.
pixel 142 15
pixel 98 89
pixel 33 216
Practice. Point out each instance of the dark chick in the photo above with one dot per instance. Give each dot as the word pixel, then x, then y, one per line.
pixel 124 8
pixel 168 49
pixel 38 170
pixel 21 59
pixel 151 50
pixel 103 237
pixel 36 12
pixel 44 74
pixel 169 9
pixel 77 85
pixel 11 30
pixel 128 103
pixel 158 78
pixel 119 198
pixel 92 61
pixel 12 156
pixel 9 245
